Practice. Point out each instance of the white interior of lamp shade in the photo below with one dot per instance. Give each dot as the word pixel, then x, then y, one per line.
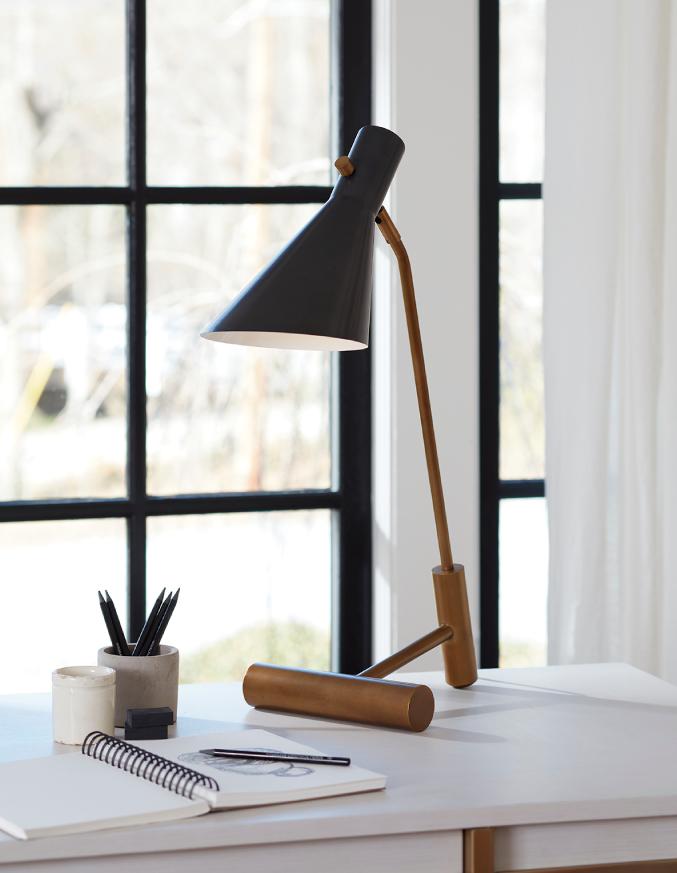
pixel 274 340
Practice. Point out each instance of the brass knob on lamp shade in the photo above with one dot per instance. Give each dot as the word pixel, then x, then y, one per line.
pixel 344 165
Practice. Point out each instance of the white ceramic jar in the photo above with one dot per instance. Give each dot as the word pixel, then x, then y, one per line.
pixel 83 700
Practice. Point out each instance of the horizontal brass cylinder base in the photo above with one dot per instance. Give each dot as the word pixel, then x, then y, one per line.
pixel 451 599
pixel 334 695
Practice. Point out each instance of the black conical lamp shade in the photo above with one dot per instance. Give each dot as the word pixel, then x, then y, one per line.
pixel 316 294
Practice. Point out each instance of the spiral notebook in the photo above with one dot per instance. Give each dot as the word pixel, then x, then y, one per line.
pixel 114 783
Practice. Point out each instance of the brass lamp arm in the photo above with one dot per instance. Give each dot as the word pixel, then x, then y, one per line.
pixel 454 633
pixel 394 240
pixel 409 653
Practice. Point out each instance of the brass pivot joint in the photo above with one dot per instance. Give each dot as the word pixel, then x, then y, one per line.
pixel 344 165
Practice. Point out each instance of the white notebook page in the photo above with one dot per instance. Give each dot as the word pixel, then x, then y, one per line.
pixel 72 793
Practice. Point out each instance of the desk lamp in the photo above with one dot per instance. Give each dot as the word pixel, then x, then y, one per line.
pixel 316 294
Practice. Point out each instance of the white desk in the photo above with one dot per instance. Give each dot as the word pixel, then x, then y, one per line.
pixel 570 765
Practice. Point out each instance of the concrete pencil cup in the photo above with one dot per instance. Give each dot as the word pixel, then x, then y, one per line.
pixel 144 681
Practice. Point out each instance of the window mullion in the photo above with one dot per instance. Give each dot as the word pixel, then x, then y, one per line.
pixel 352 631
pixel 489 327
pixel 136 313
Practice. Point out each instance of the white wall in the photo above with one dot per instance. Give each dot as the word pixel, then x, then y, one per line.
pixel 425 73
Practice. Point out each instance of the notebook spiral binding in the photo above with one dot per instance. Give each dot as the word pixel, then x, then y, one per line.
pixel 146 765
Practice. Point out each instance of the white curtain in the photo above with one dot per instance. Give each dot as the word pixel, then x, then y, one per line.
pixel 610 331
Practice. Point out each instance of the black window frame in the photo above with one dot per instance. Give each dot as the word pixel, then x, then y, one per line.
pixel 349 498
pixel 492 192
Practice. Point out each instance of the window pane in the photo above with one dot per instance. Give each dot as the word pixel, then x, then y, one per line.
pixel 62 68
pixel 62 352
pixel 222 417
pixel 523 568
pixel 238 92
pixel 522 90
pixel 254 587
pixel 521 315
pixel 50 572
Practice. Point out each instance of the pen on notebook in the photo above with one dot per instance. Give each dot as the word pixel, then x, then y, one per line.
pixel 156 623
pixel 109 625
pixel 117 627
pixel 145 632
pixel 255 755
pixel 162 626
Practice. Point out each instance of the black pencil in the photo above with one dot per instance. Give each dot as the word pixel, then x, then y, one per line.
pixel 143 636
pixel 109 625
pixel 290 757
pixel 117 627
pixel 162 626
pixel 156 622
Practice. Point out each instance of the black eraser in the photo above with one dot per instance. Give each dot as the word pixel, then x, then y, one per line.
pixel 160 715
pixel 151 732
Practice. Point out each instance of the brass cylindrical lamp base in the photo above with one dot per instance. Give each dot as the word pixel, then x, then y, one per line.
pixel 451 598
pixel 334 695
